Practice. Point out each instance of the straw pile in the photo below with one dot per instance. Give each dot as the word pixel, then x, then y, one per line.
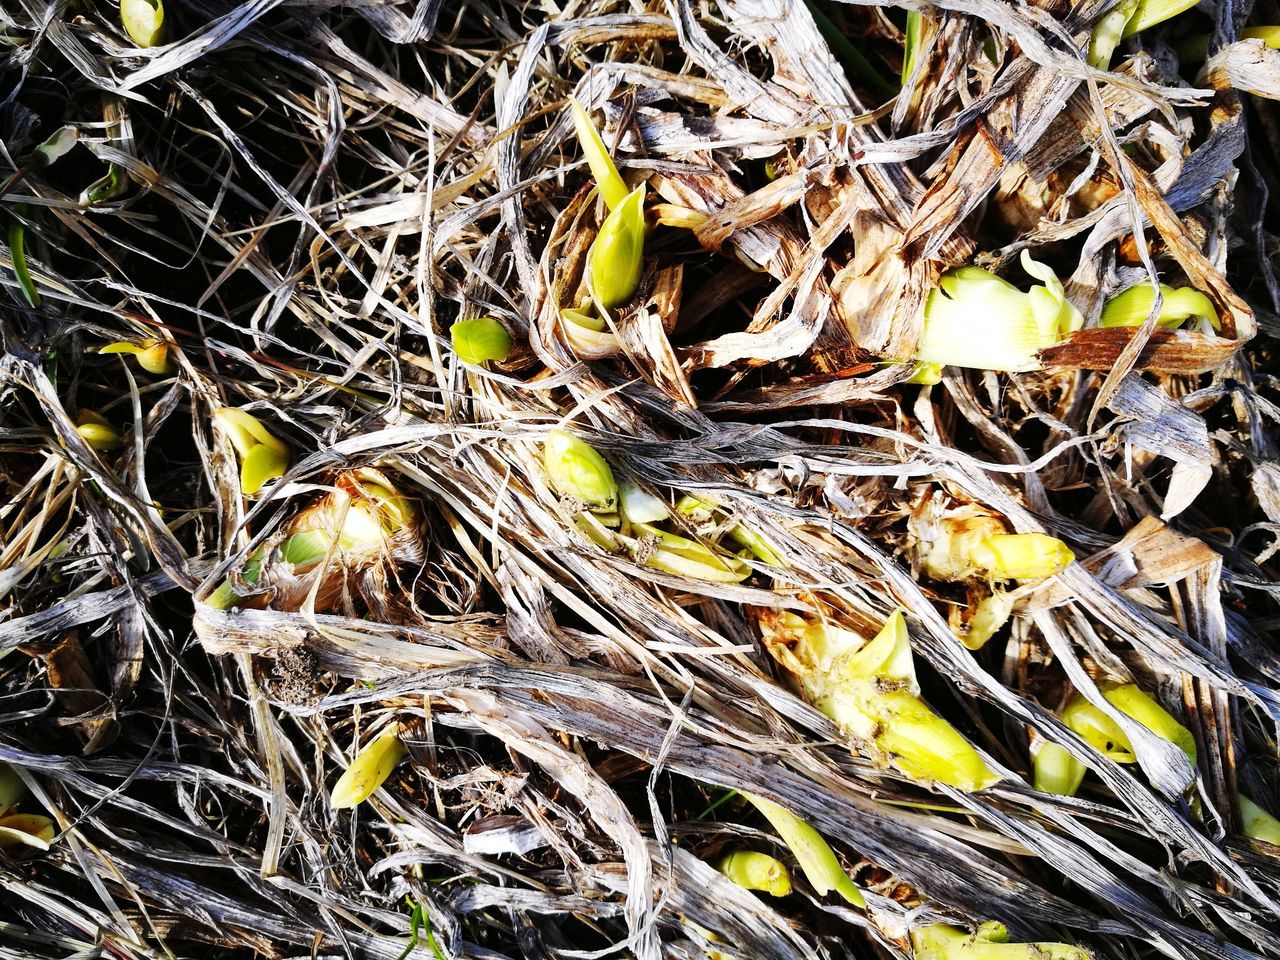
pixel 291 205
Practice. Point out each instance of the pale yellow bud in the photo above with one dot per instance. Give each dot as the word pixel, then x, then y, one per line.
pixel 144 21
pixel 1022 556
pixel 263 458
pixel 757 871
pixel 369 770
pixel 814 855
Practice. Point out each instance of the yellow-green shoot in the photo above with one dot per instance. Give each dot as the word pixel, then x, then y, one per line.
pixel 817 860
pixel 1177 305
pixel 369 770
pixel 143 20
pixel 869 689
pixel 939 941
pixel 756 871
pixel 263 457
pixel 975 319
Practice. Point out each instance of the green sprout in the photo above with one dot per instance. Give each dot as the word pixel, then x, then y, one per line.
pixel 975 319
pixel 814 855
pixel 577 470
pixel 369 770
pixel 263 458
pixel 940 941
pixel 869 689
pixel 1177 305
pixel 756 871
pixel 480 340
pixel 143 20
pixel 1124 20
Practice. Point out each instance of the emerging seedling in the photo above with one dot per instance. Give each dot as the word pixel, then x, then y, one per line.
pixel 1257 823
pixel 352 529
pixel 1131 308
pixel 975 319
pixel 12 789
pixel 817 860
pixel 969 541
pixel 713 520
pixel 369 770
pixel 1124 20
pixel 616 258
pixel 152 355
pixel 1268 35
pixel 576 469
pixel 756 871
pixel 940 941
pixel 263 458
pixel 1056 771
pixel 627 519
pixel 98 431
pixel 143 20
pixel 870 690
pixel 20 829
pixel 480 340
pixel 27 829
pixel 1021 556
pixel 17 234
pixel 608 181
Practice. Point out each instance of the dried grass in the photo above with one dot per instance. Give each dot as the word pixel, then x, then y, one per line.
pixel 310 195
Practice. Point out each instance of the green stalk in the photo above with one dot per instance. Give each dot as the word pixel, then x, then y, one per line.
pixel 303 551
pixel 849 55
pixel 18 252
pixel 911 44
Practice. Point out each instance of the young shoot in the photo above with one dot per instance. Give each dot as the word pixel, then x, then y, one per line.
pixel 1270 36
pixel 587 334
pixel 577 471
pixel 152 355
pixel 940 941
pixel 1056 771
pixel 1177 305
pixel 263 458
pixel 98 431
pixel 1021 556
pixel 817 860
pixel 975 319
pixel 756 871
pixel 143 20
pixel 480 341
pixel 616 258
pixel 1124 20
pixel 1257 824
pixel 12 789
pixel 354 528
pixel 713 519
pixel 369 770
pixel 613 189
pixel 869 689
pixel 970 541
pixel 27 829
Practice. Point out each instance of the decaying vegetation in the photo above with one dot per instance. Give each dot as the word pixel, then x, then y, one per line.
pixel 805 534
